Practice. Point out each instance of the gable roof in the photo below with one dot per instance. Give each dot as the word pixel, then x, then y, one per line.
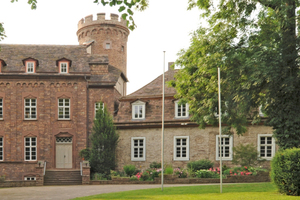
pixel 154 88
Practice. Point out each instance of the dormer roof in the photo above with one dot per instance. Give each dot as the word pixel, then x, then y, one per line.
pixel 64 59
pixel 30 58
pixel 2 62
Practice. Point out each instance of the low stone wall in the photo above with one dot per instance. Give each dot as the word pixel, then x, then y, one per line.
pixel 17 184
pixel 262 177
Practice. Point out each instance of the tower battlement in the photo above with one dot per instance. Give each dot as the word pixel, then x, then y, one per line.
pixel 88 20
pixel 107 37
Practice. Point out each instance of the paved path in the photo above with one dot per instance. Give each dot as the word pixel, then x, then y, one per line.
pixel 68 192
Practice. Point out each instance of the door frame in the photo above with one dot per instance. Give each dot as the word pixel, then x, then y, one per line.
pixel 63 134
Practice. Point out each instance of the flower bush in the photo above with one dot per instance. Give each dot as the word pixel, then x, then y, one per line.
pixel 180 173
pixel 207 174
pixel 238 171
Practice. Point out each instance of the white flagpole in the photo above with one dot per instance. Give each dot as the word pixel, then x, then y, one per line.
pixel 163 126
pixel 220 129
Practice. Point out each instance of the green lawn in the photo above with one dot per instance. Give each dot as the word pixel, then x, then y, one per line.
pixel 259 191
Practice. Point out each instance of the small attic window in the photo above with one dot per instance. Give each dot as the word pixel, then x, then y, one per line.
pixel 30 65
pixel 63 65
pixel 107 46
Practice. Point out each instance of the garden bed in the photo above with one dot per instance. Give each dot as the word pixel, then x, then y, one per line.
pixel 261 177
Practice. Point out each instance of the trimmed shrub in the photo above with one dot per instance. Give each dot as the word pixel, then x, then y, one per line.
pixel 155 165
pixel 206 174
pixel 169 170
pixel 285 171
pixel 200 164
pixel 129 170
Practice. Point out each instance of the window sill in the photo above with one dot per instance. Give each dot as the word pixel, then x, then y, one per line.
pixel 63 119
pixel 225 159
pixel 30 120
pixel 181 117
pixel 181 159
pixel 136 160
pixel 265 158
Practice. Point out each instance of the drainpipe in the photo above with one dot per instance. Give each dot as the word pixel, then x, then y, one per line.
pixel 87 112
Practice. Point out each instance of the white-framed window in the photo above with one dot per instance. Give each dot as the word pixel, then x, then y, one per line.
pixel 30 148
pixel 138 149
pixel 266 146
pixel 181 111
pixel 181 147
pixel 30 109
pixel 226 147
pixel 30 67
pixel 98 106
pixel 64 67
pixel 107 45
pixel 1 149
pixel 63 108
pixel 138 110
pixel 29 178
pixel 260 112
pixel 1 108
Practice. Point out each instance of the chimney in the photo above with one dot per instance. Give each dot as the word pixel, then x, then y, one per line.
pixel 169 65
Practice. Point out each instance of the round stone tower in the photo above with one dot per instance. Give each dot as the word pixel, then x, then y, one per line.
pixel 108 37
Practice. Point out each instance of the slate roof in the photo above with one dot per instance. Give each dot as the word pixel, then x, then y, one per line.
pixel 47 55
pixel 108 79
pixel 154 88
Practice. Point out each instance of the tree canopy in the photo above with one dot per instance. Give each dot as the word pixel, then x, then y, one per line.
pixel 255 44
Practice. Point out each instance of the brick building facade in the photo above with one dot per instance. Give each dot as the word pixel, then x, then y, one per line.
pixel 49 94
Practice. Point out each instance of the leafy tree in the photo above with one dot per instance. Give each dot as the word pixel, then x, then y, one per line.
pixel 255 43
pixel 104 140
pixel 32 3
pixel 246 155
pixel 126 7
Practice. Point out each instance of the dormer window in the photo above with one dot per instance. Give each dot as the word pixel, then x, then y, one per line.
pixel 138 110
pixel 2 64
pixel 63 65
pixel 30 65
pixel 181 110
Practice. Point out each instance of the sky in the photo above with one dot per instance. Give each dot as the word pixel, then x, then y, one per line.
pixel 165 25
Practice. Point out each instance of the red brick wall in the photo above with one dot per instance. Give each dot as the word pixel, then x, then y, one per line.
pixel 107 95
pixel 47 126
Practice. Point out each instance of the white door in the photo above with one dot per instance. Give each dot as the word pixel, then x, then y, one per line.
pixel 64 152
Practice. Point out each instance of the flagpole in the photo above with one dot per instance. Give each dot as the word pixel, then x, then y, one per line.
pixel 220 129
pixel 163 126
